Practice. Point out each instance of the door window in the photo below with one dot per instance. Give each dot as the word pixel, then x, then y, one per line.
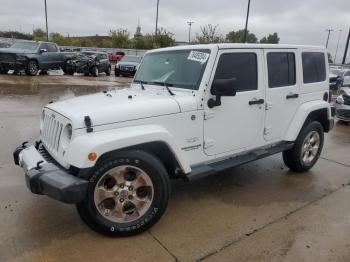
pixel 314 67
pixel 51 48
pixel 281 69
pixel 240 66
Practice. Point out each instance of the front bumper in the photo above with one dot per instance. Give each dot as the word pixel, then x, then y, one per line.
pixel 342 111
pixel 46 178
pixel 124 72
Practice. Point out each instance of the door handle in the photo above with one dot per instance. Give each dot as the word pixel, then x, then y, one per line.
pixel 256 102
pixel 291 96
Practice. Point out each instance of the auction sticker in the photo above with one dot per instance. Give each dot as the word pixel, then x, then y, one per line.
pixel 198 56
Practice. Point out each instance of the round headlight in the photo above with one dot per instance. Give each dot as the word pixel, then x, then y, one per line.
pixel 66 136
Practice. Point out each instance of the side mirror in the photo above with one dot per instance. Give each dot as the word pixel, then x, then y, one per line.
pixel 43 51
pixel 221 87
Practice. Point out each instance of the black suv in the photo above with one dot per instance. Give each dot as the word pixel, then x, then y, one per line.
pixel 89 62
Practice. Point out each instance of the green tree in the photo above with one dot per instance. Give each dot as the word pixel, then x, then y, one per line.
pixel 15 34
pixel 120 38
pixel 209 34
pixel 238 37
pixel 270 39
pixel 39 34
pixel 164 38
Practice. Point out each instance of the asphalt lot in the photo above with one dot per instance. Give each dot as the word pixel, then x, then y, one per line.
pixel 256 212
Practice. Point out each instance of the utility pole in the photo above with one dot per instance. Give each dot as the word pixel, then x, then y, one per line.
pixel 346 48
pixel 246 23
pixel 329 33
pixel 47 28
pixel 190 23
pixel 157 18
pixel 336 50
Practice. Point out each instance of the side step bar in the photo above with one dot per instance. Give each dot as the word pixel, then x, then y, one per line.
pixel 204 170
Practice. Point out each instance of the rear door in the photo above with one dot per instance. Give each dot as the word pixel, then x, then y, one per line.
pixel 282 92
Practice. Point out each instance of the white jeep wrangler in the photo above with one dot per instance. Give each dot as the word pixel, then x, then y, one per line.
pixel 190 112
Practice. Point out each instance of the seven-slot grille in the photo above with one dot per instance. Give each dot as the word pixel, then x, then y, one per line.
pixel 51 132
pixel 127 68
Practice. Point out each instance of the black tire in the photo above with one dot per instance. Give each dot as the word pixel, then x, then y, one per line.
pixel 65 67
pixel 294 158
pixel 4 70
pixel 155 170
pixel 32 68
pixel 108 71
pixel 94 71
pixel 86 74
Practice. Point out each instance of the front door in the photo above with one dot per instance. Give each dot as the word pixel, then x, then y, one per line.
pixel 237 123
pixel 282 92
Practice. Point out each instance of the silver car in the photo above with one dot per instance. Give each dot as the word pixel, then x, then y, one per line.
pixel 342 105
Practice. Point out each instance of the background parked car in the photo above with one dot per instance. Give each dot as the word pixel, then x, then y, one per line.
pixel 32 56
pixel 346 78
pixel 342 105
pixel 335 78
pixel 127 66
pixel 89 62
pixel 116 56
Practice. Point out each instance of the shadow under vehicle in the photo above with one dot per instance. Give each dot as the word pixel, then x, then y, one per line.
pixel 32 57
pixel 89 62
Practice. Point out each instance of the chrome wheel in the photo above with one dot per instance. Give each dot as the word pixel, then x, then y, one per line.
pixel 310 147
pixel 123 194
pixel 33 68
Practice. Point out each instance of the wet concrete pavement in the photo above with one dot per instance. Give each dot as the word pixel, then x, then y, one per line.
pixel 256 212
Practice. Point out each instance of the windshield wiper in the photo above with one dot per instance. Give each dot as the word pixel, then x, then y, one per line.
pixel 166 85
pixel 141 83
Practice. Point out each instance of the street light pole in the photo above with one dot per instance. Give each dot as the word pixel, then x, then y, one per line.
pixel 47 28
pixel 157 18
pixel 190 23
pixel 329 33
pixel 336 50
pixel 246 23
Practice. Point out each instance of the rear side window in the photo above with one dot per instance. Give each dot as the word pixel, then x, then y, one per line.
pixel 242 67
pixel 314 67
pixel 281 69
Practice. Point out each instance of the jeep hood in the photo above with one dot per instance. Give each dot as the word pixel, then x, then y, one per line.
pixel 122 105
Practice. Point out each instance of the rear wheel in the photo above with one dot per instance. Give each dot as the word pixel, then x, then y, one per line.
pixel 127 194
pixel 108 71
pixel 32 68
pixel 4 70
pixel 307 148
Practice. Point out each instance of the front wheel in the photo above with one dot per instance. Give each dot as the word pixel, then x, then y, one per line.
pixel 127 194
pixel 307 148
pixel 108 71
pixel 32 68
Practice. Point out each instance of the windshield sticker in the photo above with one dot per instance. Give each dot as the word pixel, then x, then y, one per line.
pixel 198 56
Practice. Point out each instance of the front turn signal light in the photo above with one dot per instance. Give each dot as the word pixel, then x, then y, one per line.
pixel 92 156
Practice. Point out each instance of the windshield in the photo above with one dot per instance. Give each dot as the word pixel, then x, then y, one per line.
pixel 133 59
pixel 25 45
pixel 179 68
pixel 337 72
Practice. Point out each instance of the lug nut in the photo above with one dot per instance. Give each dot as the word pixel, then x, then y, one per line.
pixel 121 200
pixel 116 193
pixel 131 188
pixel 106 212
pixel 130 197
pixel 121 186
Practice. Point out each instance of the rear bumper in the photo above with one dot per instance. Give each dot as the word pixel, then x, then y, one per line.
pixel 46 178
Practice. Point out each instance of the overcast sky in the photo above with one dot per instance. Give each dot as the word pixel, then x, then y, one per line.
pixel 296 21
